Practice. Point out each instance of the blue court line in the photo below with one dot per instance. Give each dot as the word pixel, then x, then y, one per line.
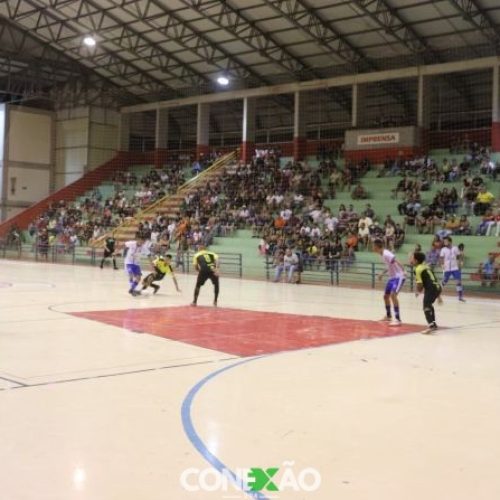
pixel 197 442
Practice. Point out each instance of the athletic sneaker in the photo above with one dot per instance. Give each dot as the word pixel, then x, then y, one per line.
pixel 156 288
pixel 430 329
pixel 386 318
pixel 461 299
pixel 395 322
pixel 215 303
pixel 193 304
pixel 134 293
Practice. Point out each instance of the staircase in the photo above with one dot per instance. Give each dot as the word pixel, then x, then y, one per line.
pixel 169 205
pixel 72 191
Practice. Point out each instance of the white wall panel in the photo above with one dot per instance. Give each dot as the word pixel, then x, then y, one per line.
pixel 99 156
pixel 63 179
pixel 103 136
pixel 27 184
pixel 30 137
pixel 72 133
pixel 71 160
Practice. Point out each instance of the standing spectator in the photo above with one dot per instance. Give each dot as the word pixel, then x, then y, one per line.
pixel 488 271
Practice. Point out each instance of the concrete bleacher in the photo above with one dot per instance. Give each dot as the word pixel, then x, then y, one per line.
pixel 382 201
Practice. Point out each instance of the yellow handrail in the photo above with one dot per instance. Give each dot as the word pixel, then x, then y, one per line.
pixel 188 184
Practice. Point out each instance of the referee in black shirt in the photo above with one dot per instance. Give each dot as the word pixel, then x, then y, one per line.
pixel 426 281
pixel 207 265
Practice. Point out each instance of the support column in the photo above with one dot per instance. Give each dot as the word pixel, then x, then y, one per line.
pixel 4 127
pixel 299 128
pixel 424 110
pixel 124 132
pixel 202 130
pixel 161 138
pixel 495 112
pixel 358 104
pixel 248 135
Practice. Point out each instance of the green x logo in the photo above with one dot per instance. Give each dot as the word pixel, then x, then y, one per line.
pixel 262 479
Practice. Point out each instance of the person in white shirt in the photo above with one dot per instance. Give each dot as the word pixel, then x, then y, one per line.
pixel 394 284
pixel 132 253
pixel 286 214
pixel 449 258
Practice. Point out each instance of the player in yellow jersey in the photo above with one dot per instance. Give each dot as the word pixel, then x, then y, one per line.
pixel 161 266
pixel 207 265
pixel 426 281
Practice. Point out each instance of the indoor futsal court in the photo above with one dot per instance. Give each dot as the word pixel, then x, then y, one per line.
pixel 107 396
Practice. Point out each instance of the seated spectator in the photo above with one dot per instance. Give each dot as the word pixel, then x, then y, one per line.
pixel 311 254
pixel 484 201
pixel 279 222
pixel 404 185
pixel 433 255
pixel 410 217
pixel 489 271
pixel 494 224
pixel 389 235
pixel 288 263
pixel 464 226
pixel 369 212
pixel 348 257
pixel 359 192
pixel 469 195
pixel 452 224
pixel 399 237
pixel 376 232
pixel 363 233
pixel 482 227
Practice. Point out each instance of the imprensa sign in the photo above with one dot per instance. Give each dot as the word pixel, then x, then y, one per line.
pixel 378 139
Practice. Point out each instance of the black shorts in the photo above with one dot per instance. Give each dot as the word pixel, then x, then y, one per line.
pixel 203 276
pixel 431 295
pixel 154 276
pixel 107 253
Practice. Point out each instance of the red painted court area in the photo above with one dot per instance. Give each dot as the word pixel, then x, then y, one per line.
pixel 241 332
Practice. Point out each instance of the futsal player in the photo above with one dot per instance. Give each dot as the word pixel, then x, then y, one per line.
pixel 394 284
pixel 207 265
pixel 449 259
pixel 161 266
pixel 109 251
pixel 132 252
pixel 426 281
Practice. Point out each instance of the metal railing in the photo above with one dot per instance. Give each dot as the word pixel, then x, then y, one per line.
pixel 338 273
pixel 342 273
pixel 231 263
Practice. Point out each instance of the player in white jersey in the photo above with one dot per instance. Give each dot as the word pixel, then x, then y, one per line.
pixel 449 259
pixel 394 284
pixel 132 252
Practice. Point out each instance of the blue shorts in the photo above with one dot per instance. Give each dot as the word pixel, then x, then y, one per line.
pixel 133 269
pixel 456 275
pixel 394 285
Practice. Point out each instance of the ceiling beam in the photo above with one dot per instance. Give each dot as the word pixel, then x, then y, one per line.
pixel 246 30
pixel 337 81
pixel 51 26
pixel 304 17
pixel 473 13
pixel 171 25
pixel 395 26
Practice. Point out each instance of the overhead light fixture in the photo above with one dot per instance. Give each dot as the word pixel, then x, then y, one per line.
pixel 222 80
pixel 89 41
